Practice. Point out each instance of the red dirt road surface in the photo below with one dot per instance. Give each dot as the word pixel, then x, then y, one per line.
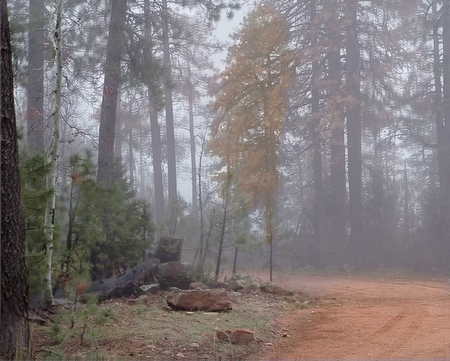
pixel 367 318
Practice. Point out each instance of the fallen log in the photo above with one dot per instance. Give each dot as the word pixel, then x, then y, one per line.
pixel 128 284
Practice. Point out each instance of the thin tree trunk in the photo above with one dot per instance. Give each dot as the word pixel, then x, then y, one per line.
pixel 141 166
pixel 319 195
pixel 35 83
pixel 445 169
pixel 354 127
pixel 235 258
pixel 192 142
pixel 223 224
pixel 15 341
pixel 53 159
pixel 407 210
pixel 118 132
pixel 171 153
pixel 155 130
pixel 69 238
pixel 130 150
pixel 337 167
pixel 108 112
pixel 156 159
pixel 269 210
pixel 440 131
pixel 377 191
pixel 208 238
pixel 62 172
pixel 201 206
pixel 442 105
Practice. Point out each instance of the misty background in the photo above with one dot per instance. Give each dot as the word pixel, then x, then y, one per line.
pixel 275 134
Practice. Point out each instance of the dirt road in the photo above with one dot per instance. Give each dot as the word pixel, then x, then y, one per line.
pixel 366 318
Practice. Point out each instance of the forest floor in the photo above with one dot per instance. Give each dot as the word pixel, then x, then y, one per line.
pixel 344 317
pixel 376 318
pixel 146 329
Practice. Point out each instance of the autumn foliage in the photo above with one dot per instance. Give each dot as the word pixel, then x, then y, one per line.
pixel 251 105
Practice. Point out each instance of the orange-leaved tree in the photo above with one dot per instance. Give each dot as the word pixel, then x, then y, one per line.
pixel 251 104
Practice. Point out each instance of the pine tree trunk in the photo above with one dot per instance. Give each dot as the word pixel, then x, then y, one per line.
pixel 337 167
pixel 354 127
pixel 142 169
pixel 130 151
pixel 35 83
pixel 406 208
pixel 319 192
pixel 440 131
pixel 445 168
pixel 192 143
pixel 269 211
pixel 443 116
pixel 15 342
pixel 110 89
pixel 236 251
pixel 155 130
pixel 201 207
pixel 156 159
pixel 171 152
pixel 377 193
pixel 118 131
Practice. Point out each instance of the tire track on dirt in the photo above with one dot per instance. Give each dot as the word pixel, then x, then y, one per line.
pixel 414 320
pixel 389 325
pixel 381 319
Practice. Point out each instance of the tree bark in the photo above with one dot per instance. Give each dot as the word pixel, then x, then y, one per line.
pixel 35 83
pixel 155 130
pixel 15 342
pixel 171 152
pixel 52 159
pixel 353 89
pixel 407 208
pixel 110 90
pixel 319 192
pixel 118 131
pixel 337 167
pixel 201 205
pixel 130 149
pixel 192 141
pixel 224 223
pixel 439 120
pixel 444 139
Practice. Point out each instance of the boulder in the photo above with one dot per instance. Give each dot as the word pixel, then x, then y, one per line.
pixel 274 289
pixel 239 337
pixel 238 281
pixel 235 286
pixel 224 336
pixel 243 337
pixel 198 286
pixel 174 274
pixel 199 300
pixel 221 285
pixel 169 249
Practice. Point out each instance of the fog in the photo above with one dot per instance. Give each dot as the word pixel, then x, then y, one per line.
pixel 281 136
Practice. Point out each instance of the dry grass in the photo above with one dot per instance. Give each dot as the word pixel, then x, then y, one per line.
pixel 145 329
